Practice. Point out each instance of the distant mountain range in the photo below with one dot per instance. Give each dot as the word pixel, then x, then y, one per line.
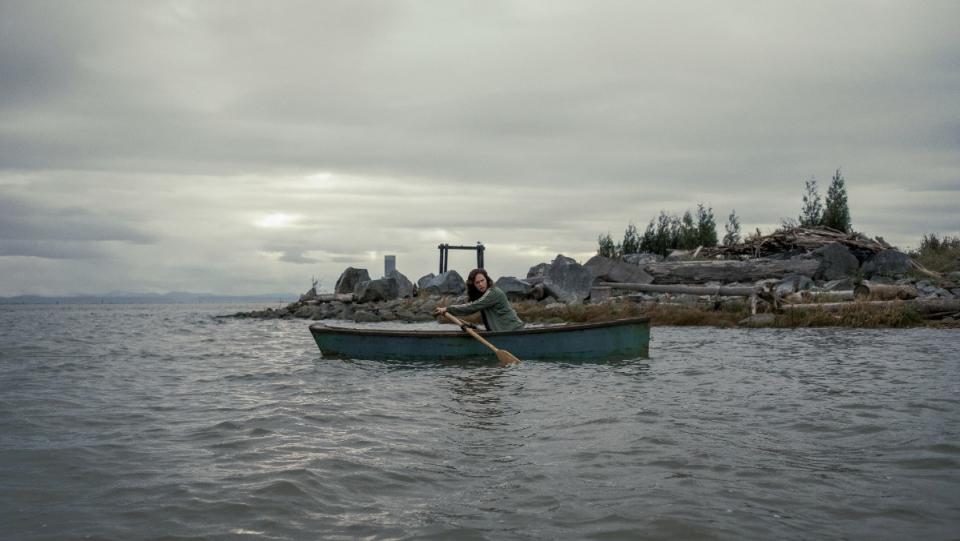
pixel 173 297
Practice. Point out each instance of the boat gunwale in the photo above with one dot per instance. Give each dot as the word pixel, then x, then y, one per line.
pixel 321 327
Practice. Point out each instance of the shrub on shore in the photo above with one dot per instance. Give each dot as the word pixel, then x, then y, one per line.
pixel 939 255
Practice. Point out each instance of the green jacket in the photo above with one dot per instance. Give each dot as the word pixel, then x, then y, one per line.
pixel 494 308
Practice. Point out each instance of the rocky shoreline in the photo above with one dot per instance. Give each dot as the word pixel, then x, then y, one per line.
pixel 795 273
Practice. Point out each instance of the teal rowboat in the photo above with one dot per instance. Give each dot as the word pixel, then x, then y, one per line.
pixel 618 339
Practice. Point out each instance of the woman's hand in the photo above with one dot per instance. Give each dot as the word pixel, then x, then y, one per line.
pixel 439 311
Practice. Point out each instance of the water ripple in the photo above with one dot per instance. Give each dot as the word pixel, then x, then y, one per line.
pixel 163 422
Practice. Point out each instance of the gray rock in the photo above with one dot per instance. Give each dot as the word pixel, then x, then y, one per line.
pixel 793 283
pixel 679 255
pixel 404 285
pixel 323 311
pixel 886 263
pixel 567 280
pixel 538 270
pixel 310 295
pixel 642 259
pixel 350 279
pixel 843 284
pixel 613 270
pixel 928 290
pixel 406 315
pixel 836 262
pixel 515 288
pixel 448 283
pixel 424 280
pixel 304 312
pixel 365 316
pixel 383 289
pixel 342 310
pixel 539 292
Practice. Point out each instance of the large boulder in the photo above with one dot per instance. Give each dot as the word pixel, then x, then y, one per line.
pixel 614 270
pixel 350 279
pixel 384 289
pixel 886 263
pixel 567 280
pixel 515 288
pixel 424 280
pixel 538 271
pixel 836 262
pixel 404 285
pixel 448 283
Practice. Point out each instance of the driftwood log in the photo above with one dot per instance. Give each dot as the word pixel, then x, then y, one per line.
pixel 798 238
pixel 694 272
pixel 921 306
pixel 807 296
pixel 716 291
pixel 885 292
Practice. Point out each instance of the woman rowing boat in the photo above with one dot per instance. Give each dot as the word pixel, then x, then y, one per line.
pixel 489 300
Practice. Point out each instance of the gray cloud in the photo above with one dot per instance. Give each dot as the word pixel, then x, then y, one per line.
pixel 49 249
pixel 297 257
pixel 533 128
pixel 50 230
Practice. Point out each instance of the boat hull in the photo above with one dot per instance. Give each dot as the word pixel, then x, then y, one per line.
pixel 619 339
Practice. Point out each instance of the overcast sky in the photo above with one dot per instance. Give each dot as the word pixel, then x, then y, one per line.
pixel 244 147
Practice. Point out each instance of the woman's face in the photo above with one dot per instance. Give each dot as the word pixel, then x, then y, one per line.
pixel 480 282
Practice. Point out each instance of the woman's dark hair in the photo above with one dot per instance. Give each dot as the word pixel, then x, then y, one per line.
pixel 472 292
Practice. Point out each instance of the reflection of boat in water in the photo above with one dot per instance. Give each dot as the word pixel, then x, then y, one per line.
pixel 618 339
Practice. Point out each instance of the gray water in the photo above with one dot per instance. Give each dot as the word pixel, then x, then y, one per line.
pixel 148 422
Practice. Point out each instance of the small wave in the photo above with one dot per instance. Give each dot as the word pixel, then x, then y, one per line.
pixel 282 488
pixel 931 463
pixel 945 448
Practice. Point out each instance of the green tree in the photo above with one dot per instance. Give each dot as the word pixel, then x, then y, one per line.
pixel 836 213
pixel 811 215
pixel 663 237
pixel 688 236
pixel 631 240
pixel 649 238
pixel 606 247
pixel 706 226
pixel 733 229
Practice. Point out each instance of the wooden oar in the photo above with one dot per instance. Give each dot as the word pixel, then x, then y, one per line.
pixel 504 356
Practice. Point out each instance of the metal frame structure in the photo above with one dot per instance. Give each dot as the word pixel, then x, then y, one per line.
pixel 445 254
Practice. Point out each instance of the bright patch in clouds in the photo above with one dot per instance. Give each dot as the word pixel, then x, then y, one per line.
pixel 277 220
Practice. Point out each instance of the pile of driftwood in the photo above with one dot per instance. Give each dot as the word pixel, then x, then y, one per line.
pixel 797 238
pixel 866 294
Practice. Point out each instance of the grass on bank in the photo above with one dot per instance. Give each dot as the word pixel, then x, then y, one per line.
pixel 857 315
pixel 660 314
pixel 939 255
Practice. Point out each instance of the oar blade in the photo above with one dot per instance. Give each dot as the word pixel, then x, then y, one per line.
pixel 505 357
